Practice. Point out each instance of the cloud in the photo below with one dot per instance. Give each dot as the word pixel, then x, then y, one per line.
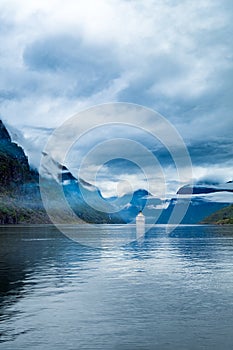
pixel 172 56
pixel 86 69
pixel 219 197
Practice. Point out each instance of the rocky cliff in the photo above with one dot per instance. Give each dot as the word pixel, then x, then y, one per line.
pixel 14 167
pixel 19 191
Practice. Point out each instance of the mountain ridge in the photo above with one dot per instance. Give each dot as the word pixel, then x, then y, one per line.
pixel 21 202
pixel 20 196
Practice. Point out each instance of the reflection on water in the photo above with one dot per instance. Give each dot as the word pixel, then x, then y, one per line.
pixel 165 291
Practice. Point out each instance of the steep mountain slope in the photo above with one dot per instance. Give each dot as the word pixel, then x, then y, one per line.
pixel 20 200
pixel 83 198
pixel 14 167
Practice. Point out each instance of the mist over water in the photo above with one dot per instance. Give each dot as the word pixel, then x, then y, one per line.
pixel 162 292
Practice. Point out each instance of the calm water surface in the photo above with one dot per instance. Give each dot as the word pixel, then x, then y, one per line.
pixel 168 291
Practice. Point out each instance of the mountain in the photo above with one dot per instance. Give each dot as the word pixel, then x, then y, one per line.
pixel 20 197
pixel 14 167
pixel 222 216
pixel 130 204
pixel 84 199
pixel 197 210
pixel 205 200
pixel 20 200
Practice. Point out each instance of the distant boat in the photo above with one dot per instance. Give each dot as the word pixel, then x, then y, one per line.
pixel 140 225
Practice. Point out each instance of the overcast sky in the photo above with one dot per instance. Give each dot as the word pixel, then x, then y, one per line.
pixel 174 56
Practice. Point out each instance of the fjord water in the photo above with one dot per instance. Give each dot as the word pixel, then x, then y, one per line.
pixel 166 291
